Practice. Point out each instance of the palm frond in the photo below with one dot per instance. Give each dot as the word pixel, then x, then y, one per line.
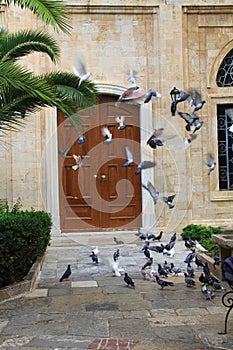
pixel 17 45
pixel 52 12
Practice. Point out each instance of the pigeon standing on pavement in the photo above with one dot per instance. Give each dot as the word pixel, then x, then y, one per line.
pixel 163 283
pixel 66 274
pixel 146 253
pixel 188 280
pixel 207 292
pixel 128 280
pixel 161 271
pixel 116 255
pixel 94 258
pixel 117 241
pixel 190 270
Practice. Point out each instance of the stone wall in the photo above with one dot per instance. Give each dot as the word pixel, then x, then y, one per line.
pixel 170 43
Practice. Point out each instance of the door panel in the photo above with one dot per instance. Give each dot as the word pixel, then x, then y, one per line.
pixel 101 194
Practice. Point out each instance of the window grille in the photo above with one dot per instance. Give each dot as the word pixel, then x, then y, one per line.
pixel 225 72
pixel 225 146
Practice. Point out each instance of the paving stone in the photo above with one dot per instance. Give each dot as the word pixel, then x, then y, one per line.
pixel 37 293
pixel 87 327
pixel 101 306
pixel 84 284
pixel 135 329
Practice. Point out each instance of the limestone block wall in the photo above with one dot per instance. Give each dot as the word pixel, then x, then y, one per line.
pixel 170 43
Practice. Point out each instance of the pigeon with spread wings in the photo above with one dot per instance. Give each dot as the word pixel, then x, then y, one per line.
pixel 195 100
pixel 80 70
pixel 152 95
pixel 168 200
pixel 145 164
pixel 150 188
pixel 120 120
pixel 189 118
pixel 129 157
pixel 133 92
pixel 188 139
pixel 158 138
pixel 107 134
pixel 78 161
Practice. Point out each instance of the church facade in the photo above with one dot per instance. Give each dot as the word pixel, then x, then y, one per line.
pixel 171 43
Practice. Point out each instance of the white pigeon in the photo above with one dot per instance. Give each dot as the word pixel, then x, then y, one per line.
pixel 188 139
pixel 95 251
pixel 118 271
pixel 129 156
pixel 106 133
pixel 80 70
pixel 170 253
pixel 120 120
pixel 200 247
pixel 78 160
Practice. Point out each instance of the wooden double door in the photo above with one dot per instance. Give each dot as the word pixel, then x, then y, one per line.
pixel 101 194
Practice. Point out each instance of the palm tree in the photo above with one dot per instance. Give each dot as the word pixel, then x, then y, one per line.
pixel 22 92
pixel 52 12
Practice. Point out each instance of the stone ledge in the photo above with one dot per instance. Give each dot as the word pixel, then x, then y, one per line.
pixel 24 286
pixel 216 272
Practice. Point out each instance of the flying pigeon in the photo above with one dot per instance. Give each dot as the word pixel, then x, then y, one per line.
pixel 210 163
pixel 133 92
pixel 145 164
pixel 116 255
pixel 168 200
pixel 195 100
pixel 188 280
pixel 81 139
pixel 163 283
pixel 106 133
pixel 129 157
pixel 189 119
pixel 152 95
pixel 158 138
pixel 66 274
pixel 80 70
pixel 128 280
pixel 121 120
pixel 150 188
pixel 64 153
pixel 94 258
pixel 78 161
pixel 188 139
pixel 198 124
pixel 157 248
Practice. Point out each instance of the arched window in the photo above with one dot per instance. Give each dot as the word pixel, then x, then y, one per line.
pixel 225 73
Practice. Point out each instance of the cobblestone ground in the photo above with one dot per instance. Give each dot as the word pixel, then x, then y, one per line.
pixel 96 310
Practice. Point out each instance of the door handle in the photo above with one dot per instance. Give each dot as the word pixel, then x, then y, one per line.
pixel 95 176
pixel 103 177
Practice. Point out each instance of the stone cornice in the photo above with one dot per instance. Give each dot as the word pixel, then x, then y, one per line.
pixel 113 9
pixel 210 9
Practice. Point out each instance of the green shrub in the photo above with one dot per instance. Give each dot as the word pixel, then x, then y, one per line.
pixel 203 234
pixel 24 236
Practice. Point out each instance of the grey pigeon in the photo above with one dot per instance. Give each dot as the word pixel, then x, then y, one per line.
pixel 190 257
pixel 150 188
pixel 147 253
pixel 190 270
pixel 116 255
pixel 195 100
pixel 151 95
pixel 198 124
pixel 66 274
pixel 168 200
pixel 175 269
pixel 188 280
pixel 198 262
pixel 210 163
pixel 163 283
pixel 162 271
pixel 157 248
pixel 207 292
pixel 158 138
pixel 128 280
pixel 189 118
pixel 117 241
pixel 148 263
pixel 145 164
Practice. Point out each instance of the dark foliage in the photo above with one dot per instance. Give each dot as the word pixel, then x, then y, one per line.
pixel 24 236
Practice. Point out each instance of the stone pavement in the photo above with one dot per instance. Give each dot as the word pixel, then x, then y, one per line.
pixel 95 310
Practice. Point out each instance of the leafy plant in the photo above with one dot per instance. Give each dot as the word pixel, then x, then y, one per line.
pixel 203 234
pixel 24 236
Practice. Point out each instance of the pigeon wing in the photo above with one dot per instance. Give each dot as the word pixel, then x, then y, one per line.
pixel 129 155
pixel 106 132
pixel 147 164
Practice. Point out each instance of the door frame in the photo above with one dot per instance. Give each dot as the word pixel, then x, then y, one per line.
pixel 49 162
